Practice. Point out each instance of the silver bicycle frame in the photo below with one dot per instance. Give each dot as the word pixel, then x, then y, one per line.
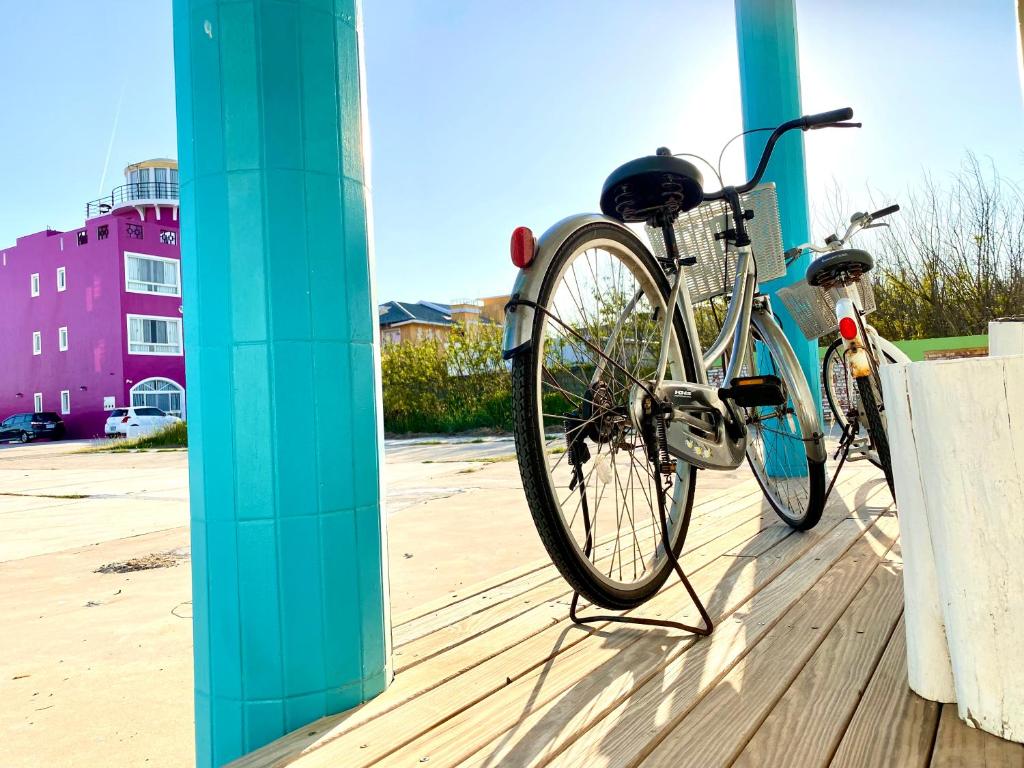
pixel 735 328
pixel 743 311
pixel 735 332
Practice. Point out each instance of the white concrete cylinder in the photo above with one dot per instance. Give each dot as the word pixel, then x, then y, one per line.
pixel 1005 338
pixel 967 418
pixel 928 667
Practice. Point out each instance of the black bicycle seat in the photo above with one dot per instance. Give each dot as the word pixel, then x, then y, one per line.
pixel 656 187
pixel 827 267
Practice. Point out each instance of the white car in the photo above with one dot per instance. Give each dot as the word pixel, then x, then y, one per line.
pixel 144 418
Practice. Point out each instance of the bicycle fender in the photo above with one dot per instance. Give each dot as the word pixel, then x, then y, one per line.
pixel 518 334
pixel 772 334
pixel 854 353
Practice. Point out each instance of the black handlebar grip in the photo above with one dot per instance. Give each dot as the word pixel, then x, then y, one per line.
pixel 884 211
pixel 827 118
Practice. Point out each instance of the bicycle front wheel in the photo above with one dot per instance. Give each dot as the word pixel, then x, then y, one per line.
pixel 777 451
pixel 845 400
pixel 595 494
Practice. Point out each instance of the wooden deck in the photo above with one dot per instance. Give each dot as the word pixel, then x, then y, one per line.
pixel 806 666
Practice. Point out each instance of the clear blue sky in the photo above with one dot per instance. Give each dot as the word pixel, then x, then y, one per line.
pixel 485 115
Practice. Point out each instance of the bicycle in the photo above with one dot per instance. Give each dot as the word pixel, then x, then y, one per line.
pixel 837 297
pixel 611 400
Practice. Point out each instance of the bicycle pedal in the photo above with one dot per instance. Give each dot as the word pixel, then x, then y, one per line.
pixel 752 391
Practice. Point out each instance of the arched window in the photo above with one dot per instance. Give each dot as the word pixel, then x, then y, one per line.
pixel 164 394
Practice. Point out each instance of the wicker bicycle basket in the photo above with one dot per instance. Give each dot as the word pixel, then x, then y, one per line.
pixel 814 309
pixel 715 270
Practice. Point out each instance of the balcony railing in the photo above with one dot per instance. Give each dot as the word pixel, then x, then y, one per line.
pixel 127 193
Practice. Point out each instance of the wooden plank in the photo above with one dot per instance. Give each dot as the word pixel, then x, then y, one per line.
pixel 374 740
pixel 458 605
pixel 704 499
pixel 439 670
pixel 959 746
pixel 488 607
pixel 763 543
pixel 806 725
pixel 720 725
pixel 431 690
pixel 629 653
pixel 478 682
pixel 627 732
pixel 482 601
pixel 893 727
pixel 740 526
pixel 474 643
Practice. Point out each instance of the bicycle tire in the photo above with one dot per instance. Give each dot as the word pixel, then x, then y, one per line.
pixel 876 430
pixel 527 419
pixel 813 502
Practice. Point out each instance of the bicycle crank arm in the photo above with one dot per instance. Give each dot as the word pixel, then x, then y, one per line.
pixel 704 430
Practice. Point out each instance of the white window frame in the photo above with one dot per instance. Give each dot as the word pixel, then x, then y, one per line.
pixel 62 338
pixel 37 343
pixel 62 278
pixel 35 284
pixel 127 282
pixel 65 402
pixel 37 402
pixel 175 320
pixel 135 391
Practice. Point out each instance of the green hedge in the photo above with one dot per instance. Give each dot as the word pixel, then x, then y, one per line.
pixel 456 386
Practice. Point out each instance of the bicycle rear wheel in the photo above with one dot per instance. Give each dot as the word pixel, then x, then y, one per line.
pixel 594 493
pixel 870 405
pixel 793 482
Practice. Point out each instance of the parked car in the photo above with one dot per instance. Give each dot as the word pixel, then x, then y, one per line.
pixel 146 417
pixel 29 426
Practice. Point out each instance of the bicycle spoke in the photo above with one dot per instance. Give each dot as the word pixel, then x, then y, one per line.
pixel 600 340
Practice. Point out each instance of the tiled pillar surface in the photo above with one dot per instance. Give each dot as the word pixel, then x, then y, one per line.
pixel 285 433
pixel 770 90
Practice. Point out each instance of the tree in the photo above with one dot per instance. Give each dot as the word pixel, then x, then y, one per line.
pixel 952 259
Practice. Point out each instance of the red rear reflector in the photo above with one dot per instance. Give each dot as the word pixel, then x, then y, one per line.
pixel 524 244
pixel 124 420
pixel 848 328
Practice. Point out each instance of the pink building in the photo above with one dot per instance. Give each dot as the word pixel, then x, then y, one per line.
pixel 91 318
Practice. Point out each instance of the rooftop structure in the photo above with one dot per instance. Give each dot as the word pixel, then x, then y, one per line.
pixel 149 184
pixel 415 321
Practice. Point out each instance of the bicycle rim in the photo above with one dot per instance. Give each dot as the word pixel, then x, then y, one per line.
pixel 600 334
pixel 776 451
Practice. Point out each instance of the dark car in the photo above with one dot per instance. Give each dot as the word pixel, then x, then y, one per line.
pixel 28 426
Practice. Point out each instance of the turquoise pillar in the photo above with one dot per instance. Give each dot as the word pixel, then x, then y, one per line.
pixel 288 541
pixel 770 92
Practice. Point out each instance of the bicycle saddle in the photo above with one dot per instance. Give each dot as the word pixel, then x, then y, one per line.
pixel 827 267
pixel 654 187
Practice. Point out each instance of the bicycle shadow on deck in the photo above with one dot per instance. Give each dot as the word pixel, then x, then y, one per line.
pixel 623 707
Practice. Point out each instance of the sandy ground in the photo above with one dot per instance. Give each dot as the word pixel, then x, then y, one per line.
pixel 95 668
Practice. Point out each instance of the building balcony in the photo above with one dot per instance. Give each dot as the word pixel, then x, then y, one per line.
pixel 134 195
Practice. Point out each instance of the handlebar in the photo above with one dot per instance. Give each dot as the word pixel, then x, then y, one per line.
pixel 858 222
pixel 825 119
pixel 835 118
pixel 883 212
